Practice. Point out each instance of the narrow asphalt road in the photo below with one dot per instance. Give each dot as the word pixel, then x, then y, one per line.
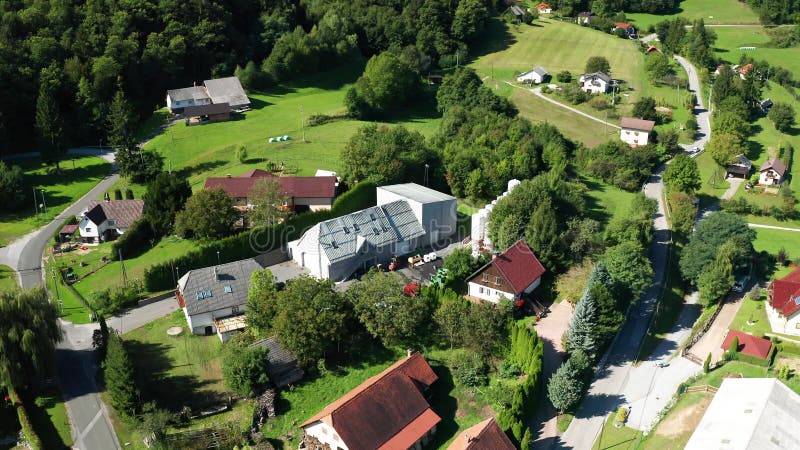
pixel 538 92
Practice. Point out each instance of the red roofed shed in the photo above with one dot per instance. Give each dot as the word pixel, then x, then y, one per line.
pixel 748 344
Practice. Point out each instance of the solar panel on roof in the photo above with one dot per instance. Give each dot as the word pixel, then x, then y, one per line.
pixel 228 289
pixel 199 295
pixel 208 294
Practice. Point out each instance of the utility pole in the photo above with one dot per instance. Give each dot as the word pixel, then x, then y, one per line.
pixel 43 202
pixel 302 123
pixel 55 283
pixel 35 205
pixel 122 265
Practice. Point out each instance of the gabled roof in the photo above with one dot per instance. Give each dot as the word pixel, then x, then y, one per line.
pixel 387 411
pixel 786 293
pixel 417 193
pixel 517 11
pixel 537 70
pixel 227 90
pixel 749 414
pixel 624 25
pixel 485 435
pixel 298 187
pixel 542 6
pixel 585 14
pixel 748 344
pixel 281 364
pixel 377 226
pixel 519 266
pixel 596 75
pixel 68 229
pixel 122 212
pixel 637 124
pixel 227 285
pixel 775 164
pixel 206 110
pixel 189 93
pixel 745 69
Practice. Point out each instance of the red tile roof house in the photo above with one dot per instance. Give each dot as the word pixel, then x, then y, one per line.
pixel 387 412
pixel 748 344
pixel 511 274
pixel 485 435
pixel 544 8
pixel 783 304
pixel 312 193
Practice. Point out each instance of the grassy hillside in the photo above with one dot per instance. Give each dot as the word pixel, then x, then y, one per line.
pixel 730 39
pixel 711 11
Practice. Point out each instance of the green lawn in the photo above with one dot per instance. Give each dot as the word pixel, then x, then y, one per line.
pixel 771 241
pixel 712 178
pixel 72 309
pixel 611 437
pixel 675 429
pixel 8 278
pixel 78 175
pixel 730 39
pixel 752 311
pixel 49 418
pixel 711 11
pixel 604 201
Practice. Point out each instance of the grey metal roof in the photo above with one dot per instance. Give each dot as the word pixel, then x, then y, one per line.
pixel 517 11
pixel 227 90
pixel 189 93
pixel 414 191
pixel 378 226
pixel 599 75
pixel 235 275
pixel 540 70
pixel 281 364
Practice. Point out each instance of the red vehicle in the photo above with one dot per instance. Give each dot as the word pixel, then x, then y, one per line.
pixel 411 289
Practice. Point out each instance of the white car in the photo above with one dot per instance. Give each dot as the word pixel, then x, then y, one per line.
pixel 740 284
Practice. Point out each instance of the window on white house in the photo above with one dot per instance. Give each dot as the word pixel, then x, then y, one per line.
pixel 228 289
pixel 485 277
pixel 88 229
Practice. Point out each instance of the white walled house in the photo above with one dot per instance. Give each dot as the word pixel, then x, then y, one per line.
pixel 387 411
pixel 434 210
pixel 511 274
pixel 214 299
pixel 108 219
pixel 595 83
pixel 533 76
pixel 635 132
pixel 177 99
pixel 217 91
pixel 544 8
pixel 772 172
pixel 783 304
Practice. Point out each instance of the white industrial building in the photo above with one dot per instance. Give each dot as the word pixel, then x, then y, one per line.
pixel 480 220
pixel 408 216
pixel 749 414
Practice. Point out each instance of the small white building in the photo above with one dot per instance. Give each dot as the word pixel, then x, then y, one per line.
pixel 595 83
pixel 749 414
pixel 108 219
pixel 214 299
pixel 772 172
pixel 544 8
pixel 533 76
pixel 511 274
pixel 783 304
pixel 635 132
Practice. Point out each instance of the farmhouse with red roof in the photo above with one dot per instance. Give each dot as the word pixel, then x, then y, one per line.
pixel 387 412
pixel 783 305
pixel 748 344
pixel 544 8
pixel 312 193
pixel 485 435
pixel 511 274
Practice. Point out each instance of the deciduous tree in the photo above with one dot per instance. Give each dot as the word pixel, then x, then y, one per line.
pixel 724 148
pixel 208 214
pixel 270 202
pixel 262 301
pixel 682 175
pixel 11 186
pixel 782 116
pixel 244 369
pixel 598 64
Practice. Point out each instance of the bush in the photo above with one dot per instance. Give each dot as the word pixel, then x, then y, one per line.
pixel 322 119
pixel 134 241
pixel 737 206
pixel 599 103
pixel 117 194
pixel 469 368
pixel 244 369
pixel 128 194
pixel 111 301
pixel 509 370
pixel 622 415
pixel 25 422
pixel 564 76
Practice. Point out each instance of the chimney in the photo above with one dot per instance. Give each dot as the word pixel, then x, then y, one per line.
pixel 228 175
pixel 409 352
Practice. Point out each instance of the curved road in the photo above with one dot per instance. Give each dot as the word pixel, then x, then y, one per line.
pixel 615 381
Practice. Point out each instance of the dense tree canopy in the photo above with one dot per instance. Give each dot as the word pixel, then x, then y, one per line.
pixel 244 369
pixel 682 175
pixel 388 82
pixel 703 248
pixel 619 164
pixel 11 186
pixel 385 155
pixel 464 88
pixel 208 214
pixel 164 198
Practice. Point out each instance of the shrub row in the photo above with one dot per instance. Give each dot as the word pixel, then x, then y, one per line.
pixel 24 421
pixel 321 119
pixel 526 351
pixel 161 277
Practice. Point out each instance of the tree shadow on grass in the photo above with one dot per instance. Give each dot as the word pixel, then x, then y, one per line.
pixel 41 421
pixel 497 37
pixel 593 206
pixel 153 366
pixel 202 167
pixel 444 404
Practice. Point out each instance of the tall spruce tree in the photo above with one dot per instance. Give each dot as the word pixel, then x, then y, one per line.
pixel 542 235
pixel 565 387
pixel 119 377
pixel 581 331
pixel 49 125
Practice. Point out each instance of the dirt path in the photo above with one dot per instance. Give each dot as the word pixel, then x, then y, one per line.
pixel 549 331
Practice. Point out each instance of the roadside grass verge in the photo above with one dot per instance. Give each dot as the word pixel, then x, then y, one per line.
pixel 8 278
pixel 49 419
pixel 78 175
pixel 675 429
pixel 72 309
pixel 617 438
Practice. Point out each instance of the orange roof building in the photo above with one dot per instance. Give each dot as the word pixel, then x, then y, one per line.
pixel 486 435
pixel 387 412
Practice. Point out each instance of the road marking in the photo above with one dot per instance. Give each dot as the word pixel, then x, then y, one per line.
pixel 90 425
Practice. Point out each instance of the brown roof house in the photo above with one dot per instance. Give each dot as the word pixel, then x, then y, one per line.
pixel 106 220
pixel 303 193
pixel 635 132
pixel 485 435
pixel 772 172
pixel 739 168
pixel 511 274
pixel 387 412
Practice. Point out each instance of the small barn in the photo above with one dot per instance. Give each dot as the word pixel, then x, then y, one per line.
pixel 739 168
pixel 536 75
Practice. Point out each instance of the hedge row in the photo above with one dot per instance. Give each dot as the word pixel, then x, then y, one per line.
pixel 161 277
pixel 25 422
pixel 766 362
pixel 526 351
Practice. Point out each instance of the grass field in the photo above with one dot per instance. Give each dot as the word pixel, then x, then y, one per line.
pixel 772 241
pixel 711 11
pixel 8 278
pixel 730 39
pixel 752 311
pixel 622 438
pixel 72 309
pixel 604 201
pixel 712 179
pixel 674 431
pixel 78 175
pixel 49 418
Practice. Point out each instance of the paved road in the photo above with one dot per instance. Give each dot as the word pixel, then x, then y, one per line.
pixel 649 38
pixel 538 92
pixel 702 114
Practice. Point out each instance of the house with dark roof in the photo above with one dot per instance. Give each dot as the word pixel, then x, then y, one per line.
pixel 772 172
pixel 595 83
pixel 200 114
pixel 67 232
pixel 389 411
pixel 517 12
pixel 281 364
pixel 585 17
pixel 783 304
pixel 511 274
pixel 302 193
pixel 106 220
pixel 635 132
pixel 748 344
pixel 536 75
pixel 217 91
pixel 485 435
pixel 214 299
pixel 739 168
